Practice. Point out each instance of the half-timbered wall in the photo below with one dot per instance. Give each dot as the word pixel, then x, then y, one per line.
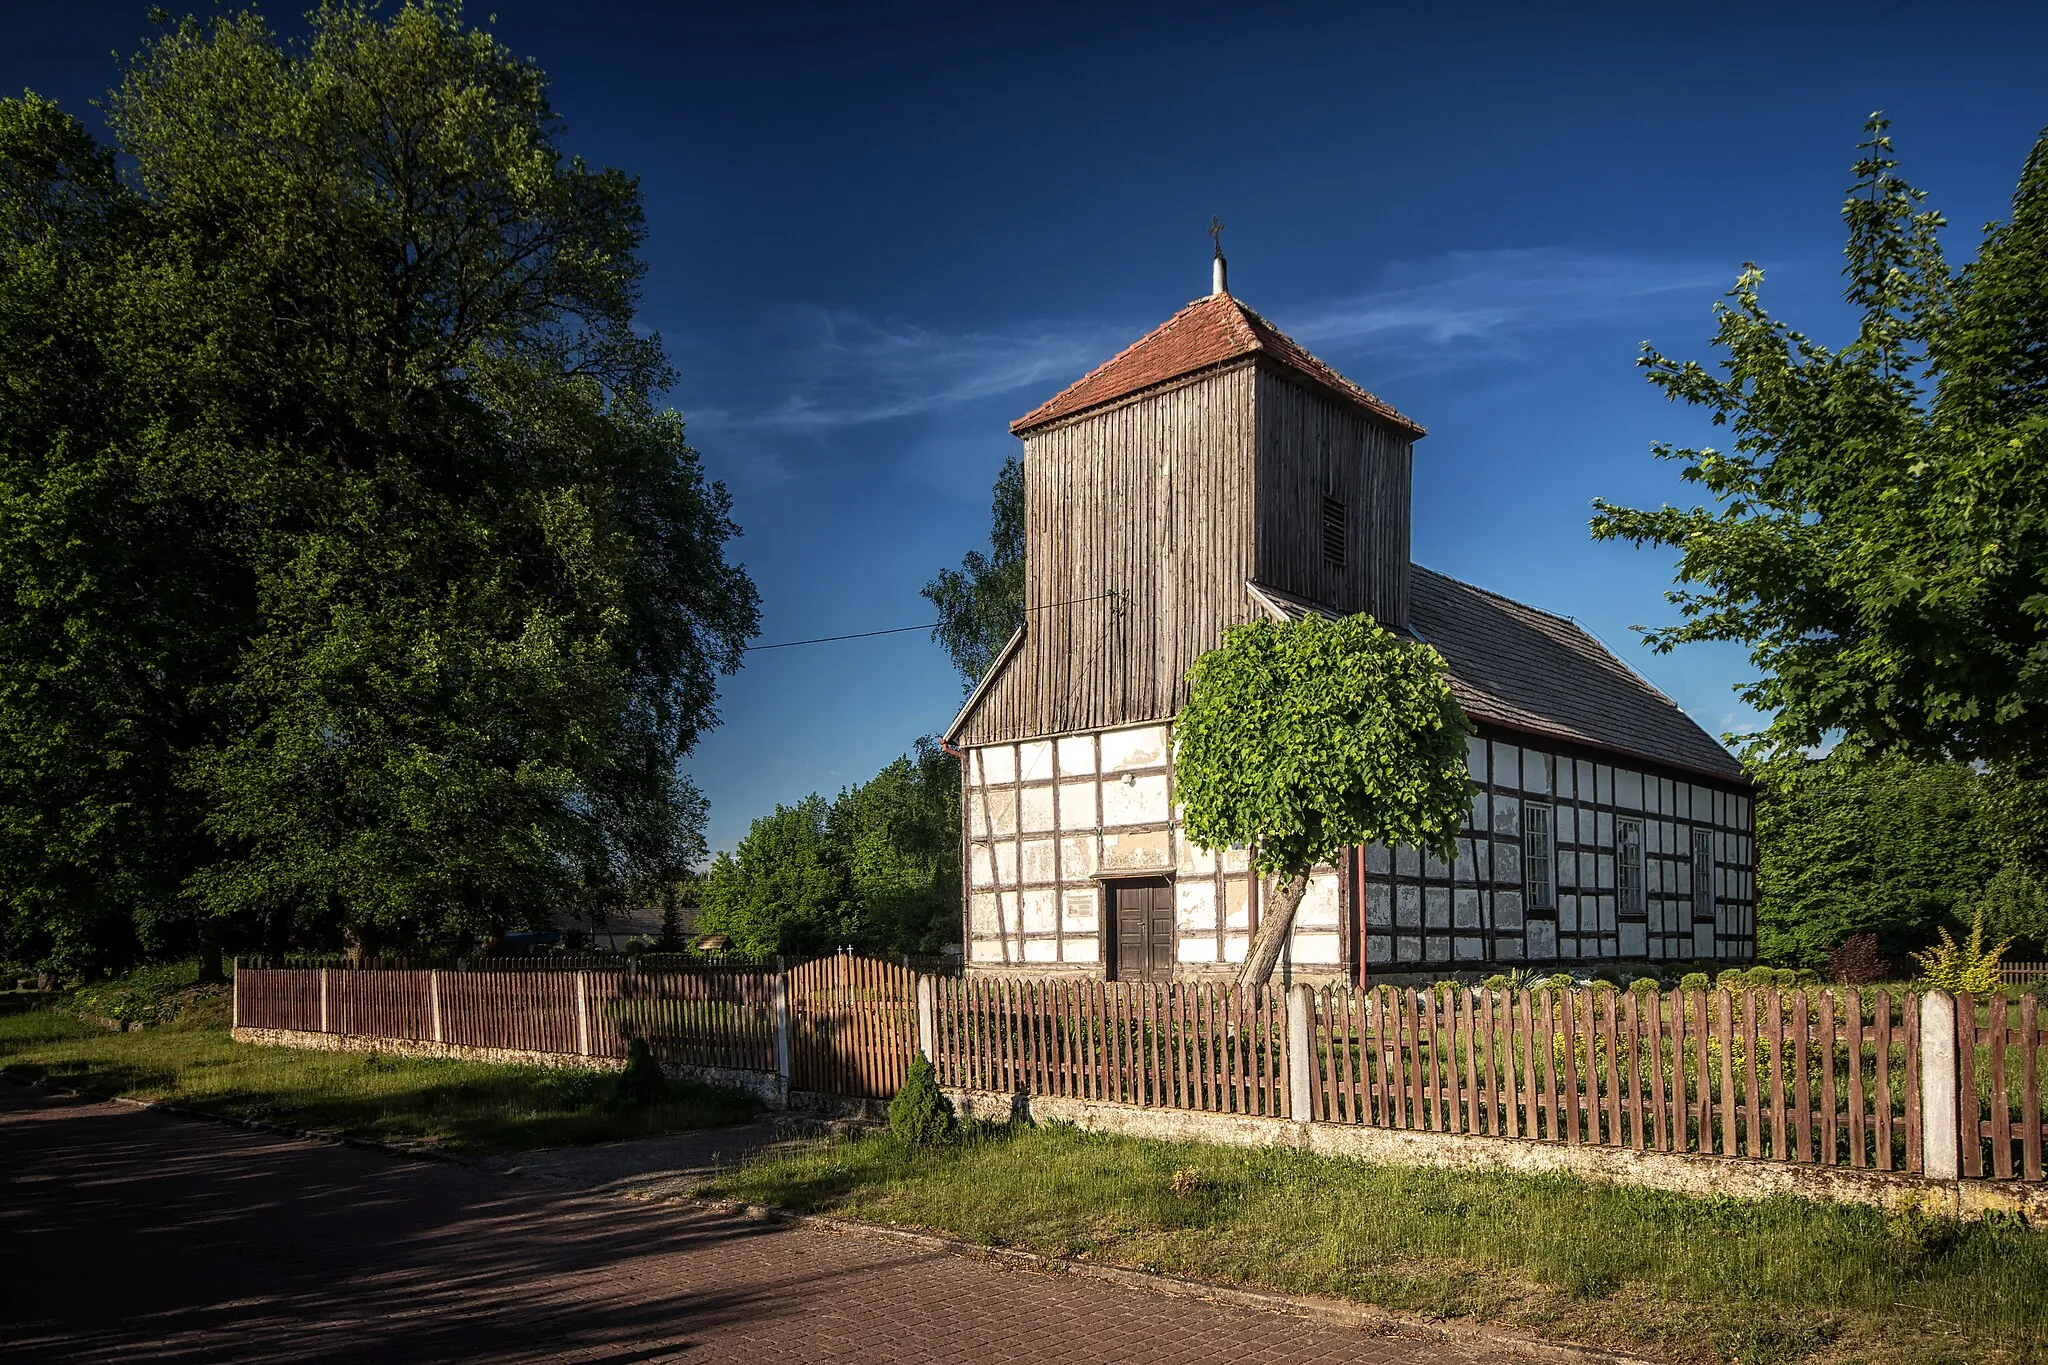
pixel 1311 448
pixel 1422 914
pixel 1051 822
pixel 1149 500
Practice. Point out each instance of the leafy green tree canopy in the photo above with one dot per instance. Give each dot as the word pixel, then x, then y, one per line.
pixel 981 603
pixel 1878 538
pixel 1303 740
pixel 444 593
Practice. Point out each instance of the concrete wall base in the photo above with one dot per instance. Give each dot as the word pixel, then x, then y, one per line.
pixel 765 1086
pixel 1698 1176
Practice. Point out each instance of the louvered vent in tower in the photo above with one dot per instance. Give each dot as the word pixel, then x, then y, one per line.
pixel 1333 532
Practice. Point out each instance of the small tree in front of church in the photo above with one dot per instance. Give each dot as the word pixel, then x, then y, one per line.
pixel 1302 740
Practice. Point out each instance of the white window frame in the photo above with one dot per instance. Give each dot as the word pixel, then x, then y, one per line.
pixel 1702 874
pixel 1630 896
pixel 1539 849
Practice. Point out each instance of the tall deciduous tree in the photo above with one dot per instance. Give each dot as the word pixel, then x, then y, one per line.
pixel 1307 739
pixel 1878 537
pixel 981 603
pixel 460 584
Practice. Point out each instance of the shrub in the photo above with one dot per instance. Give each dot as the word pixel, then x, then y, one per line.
pixel 1694 981
pixel 1857 961
pixel 1760 977
pixel 1967 966
pixel 643 1082
pixel 1497 982
pixel 1643 985
pixel 1559 981
pixel 920 1114
pixel 1730 979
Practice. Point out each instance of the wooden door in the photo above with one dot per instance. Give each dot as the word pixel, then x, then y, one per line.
pixel 1141 920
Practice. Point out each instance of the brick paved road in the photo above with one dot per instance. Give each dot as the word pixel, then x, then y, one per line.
pixel 129 1235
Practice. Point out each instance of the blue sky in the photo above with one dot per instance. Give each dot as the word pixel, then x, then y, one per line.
pixel 879 233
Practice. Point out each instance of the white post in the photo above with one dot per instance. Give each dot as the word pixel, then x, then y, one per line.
pixel 323 999
pixel 927 1032
pixel 583 1014
pixel 1938 1113
pixel 782 1027
pixel 1301 1069
pixel 235 998
pixel 434 1001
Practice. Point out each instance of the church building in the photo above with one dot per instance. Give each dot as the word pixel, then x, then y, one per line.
pixel 1213 472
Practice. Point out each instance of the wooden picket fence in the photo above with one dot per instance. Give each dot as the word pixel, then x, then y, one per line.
pixel 1762 1074
pixel 1214 1048
pixel 853 1025
pixel 713 1017
pixel 1999 1080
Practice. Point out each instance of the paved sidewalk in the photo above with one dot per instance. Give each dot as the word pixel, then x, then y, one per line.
pixel 129 1235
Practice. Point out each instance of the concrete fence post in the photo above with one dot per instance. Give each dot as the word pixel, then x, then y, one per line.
pixel 782 1070
pixel 927 1033
pixel 235 998
pixel 434 1002
pixel 1301 1062
pixel 1938 1111
pixel 323 1000
pixel 583 1014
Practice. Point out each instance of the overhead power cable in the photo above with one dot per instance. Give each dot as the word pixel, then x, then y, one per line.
pixel 904 630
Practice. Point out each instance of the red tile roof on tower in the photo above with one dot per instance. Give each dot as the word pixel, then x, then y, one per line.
pixel 1208 332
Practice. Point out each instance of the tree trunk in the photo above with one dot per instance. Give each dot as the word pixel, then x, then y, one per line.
pixel 1276 920
pixel 210 972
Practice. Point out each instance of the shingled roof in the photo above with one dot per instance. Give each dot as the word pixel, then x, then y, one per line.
pixel 1207 333
pixel 1528 670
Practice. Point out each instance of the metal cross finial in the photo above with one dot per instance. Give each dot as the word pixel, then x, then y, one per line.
pixel 1216 233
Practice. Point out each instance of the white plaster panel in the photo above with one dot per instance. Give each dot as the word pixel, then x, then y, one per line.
pixel 981 915
pixel 1237 912
pixel 1079 950
pixel 1436 907
pixel 1702 938
pixel 1078 857
pixel 1236 947
pixel 1006 864
pixel 1195 907
pixel 1041 950
pixel 998 763
pixel 1542 939
pixel 1196 947
pixel 1038 863
pixel 1379 948
pixel 1469 949
pixel 977 820
pixel 1507 910
pixel 1237 859
pixel 1077 755
pixel 1437 947
pixel 1475 757
pixel 1634 941
pixel 1535 772
pixel 1034 760
pixel 1078 911
pixel 1195 861
pixel 1315 949
pixel 1040 911
pixel 1139 801
pixel 1001 808
pixel 1568 913
pixel 981 867
pixel 1408 907
pixel 1127 852
pixel 1144 747
pixel 1465 909
pixel 1035 813
pixel 1507 815
pixel 985 950
pixel 1628 790
pixel 1507 766
pixel 1077 807
pixel 1318 908
pixel 1407 948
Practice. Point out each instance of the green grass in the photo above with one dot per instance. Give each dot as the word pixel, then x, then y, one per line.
pixel 466 1107
pixel 1677 1278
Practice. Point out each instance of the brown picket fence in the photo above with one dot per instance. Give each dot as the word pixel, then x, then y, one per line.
pixel 1792 1076
pixel 1998 1082
pixel 702 1016
pixel 1215 1048
pixel 853 1025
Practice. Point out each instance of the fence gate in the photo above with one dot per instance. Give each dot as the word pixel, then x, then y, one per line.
pixel 853 1025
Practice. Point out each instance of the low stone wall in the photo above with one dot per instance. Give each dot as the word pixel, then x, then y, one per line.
pixel 1697 1176
pixel 765 1086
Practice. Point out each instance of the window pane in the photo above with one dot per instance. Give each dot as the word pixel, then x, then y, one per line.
pixel 1628 865
pixel 1538 856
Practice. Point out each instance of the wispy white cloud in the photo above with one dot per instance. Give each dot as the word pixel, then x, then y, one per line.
pixel 1470 306
pixel 842 369
pixel 831 369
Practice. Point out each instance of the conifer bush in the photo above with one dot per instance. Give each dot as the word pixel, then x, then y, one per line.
pixel 920 1114
pixel 642 1083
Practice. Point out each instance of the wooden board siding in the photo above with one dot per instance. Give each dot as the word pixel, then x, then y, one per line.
pixel 1310 448
pixel 1150 500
